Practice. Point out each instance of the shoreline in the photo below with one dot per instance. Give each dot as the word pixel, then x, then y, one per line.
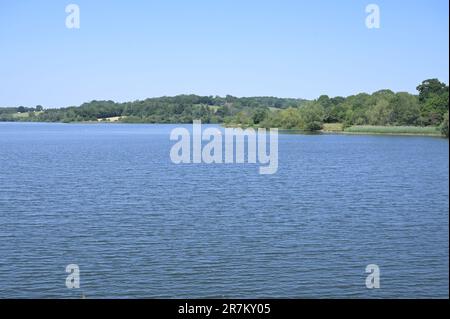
pixel 283 131
pixel 387 133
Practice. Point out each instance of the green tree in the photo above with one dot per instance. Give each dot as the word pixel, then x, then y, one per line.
pixel 291 118
pixel 429 87
pixel 444 125
pixel 312 117
pixel 405 109
pixel 433 98
pixel 381 113
pixel 259 115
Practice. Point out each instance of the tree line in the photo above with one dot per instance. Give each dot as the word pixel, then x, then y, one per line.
pixel 176 109
pixel 427 108
pixel 385 107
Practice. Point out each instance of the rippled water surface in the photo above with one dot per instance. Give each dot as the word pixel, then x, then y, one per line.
pixel 108 198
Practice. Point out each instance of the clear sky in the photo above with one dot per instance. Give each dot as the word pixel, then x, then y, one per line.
pixel 128 50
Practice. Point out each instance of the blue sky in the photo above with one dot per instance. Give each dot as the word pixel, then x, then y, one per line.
pixel 128 50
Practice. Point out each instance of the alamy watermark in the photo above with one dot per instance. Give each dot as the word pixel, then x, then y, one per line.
pixel 373 279
pixel 257 152
pixel 73 279
pixel 373 19
pixel 73 17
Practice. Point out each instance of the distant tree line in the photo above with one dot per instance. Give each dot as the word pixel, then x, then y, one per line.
pixel 177 109
pixel 20 109
pixel 385 107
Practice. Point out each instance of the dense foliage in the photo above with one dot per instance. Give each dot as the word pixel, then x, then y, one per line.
pixel 380 108
pixel 177 109
pixel 384 107
pixel 444 125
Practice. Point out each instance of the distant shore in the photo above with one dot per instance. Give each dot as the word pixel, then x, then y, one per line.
pixel 382 130
pixel 338 128
pixel 328 128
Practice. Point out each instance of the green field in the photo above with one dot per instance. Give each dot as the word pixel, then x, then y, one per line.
pixel 21 115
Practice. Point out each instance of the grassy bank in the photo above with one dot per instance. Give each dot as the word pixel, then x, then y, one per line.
pixel 401 130
pixel 333 127
pixel 373 129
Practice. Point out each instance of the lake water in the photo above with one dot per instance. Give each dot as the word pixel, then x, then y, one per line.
pixel 108 198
